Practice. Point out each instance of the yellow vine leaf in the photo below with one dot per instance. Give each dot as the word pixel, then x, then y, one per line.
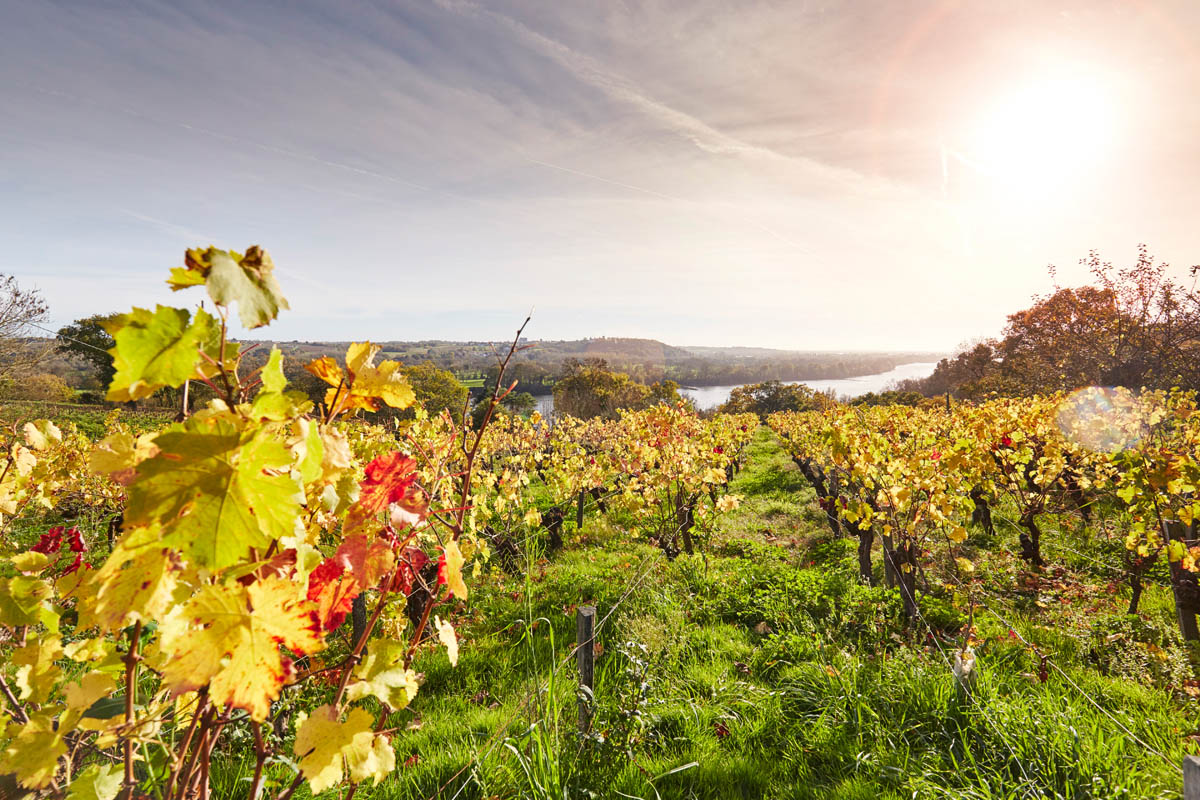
pixel 382 675
pixel 157 348
pixel 135 583
pixel 1175 550
pixel 118 455
pixel 248 280
pixel 21 598
pixel 40 434
pixel 307 449
pixel 362 384
pixel 326 368
pixel 34 752
pixel 37 673
pixel 91 687
pixel 273 379
pixel 81 694
pixel 99 649
pixel 23 459
pixel 446 636
pixel 228 637
pixel 385 382
pixel 454 565
pixel 30 563
pixel 323 743
pixel 371 758
pixel 336 457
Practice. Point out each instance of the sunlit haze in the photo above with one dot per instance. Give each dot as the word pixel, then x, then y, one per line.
pixel 851 175
pixel 1047 132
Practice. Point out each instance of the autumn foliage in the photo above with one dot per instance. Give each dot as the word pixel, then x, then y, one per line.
pixel 216 594
pixel 246 534
pixel 1133 327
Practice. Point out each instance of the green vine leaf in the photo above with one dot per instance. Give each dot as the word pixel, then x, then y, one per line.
pixel 218 489
pixel 157 349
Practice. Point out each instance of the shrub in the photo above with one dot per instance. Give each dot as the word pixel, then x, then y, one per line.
pixel 41 386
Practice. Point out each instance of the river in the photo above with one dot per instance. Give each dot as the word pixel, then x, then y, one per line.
pixel 706 397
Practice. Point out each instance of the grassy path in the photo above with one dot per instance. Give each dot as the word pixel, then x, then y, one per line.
pixel 761 669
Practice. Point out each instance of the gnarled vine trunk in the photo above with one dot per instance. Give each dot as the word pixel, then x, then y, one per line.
pixel 866 538
pixel 816 478
pixel 1031 542
pixel 905 558
pixel 685 520
pixel 1183 585
pixel 982 515
pixel 889 561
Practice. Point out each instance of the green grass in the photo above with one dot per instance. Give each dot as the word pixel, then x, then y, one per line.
pixel 762 668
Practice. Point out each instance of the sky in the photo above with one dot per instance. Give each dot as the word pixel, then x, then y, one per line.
pixel 859 175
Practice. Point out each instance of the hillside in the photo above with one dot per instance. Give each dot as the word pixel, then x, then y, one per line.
pixel 545 360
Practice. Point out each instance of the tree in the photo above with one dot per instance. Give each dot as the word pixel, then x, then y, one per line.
pixel 530 377
pixel 1064 341
pixel 975 371
pixel 522 403
pixel 519 403
pixel 436 389
pixel 1133 327
pixel 21 312
pixel 891 397
pixel 590 389
pixel 87 340
pixel 41 386
pixel 768 397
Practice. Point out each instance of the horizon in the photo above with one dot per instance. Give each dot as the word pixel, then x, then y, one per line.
pixel 836 351
pixel 856 179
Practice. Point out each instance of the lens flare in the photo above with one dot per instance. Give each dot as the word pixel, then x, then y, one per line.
pixel 1103 419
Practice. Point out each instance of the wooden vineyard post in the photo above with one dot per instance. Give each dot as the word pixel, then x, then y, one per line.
pixel 183 402
pixel 1191 778
pixel 579 511
pixel 585 630
pixel 964 678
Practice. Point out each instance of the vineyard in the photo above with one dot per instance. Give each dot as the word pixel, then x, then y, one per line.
pixel 267 598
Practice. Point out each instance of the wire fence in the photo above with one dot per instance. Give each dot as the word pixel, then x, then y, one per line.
pixel 1070 681
pixel 644 570
pixel 971 695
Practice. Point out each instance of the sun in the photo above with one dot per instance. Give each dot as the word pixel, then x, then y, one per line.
pixel 1050 129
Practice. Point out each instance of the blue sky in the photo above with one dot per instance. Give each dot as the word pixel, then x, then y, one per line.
pixel 788 174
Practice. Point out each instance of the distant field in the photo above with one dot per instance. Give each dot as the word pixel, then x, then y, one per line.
pixel 88 418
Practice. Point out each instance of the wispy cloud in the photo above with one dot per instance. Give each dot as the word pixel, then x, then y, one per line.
pixel 702 135
pixel 426 169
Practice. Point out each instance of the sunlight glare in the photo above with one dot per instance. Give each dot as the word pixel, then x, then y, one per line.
pixel 1102 419
pixel 1046 132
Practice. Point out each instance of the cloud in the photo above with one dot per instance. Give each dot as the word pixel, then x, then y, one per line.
pixel 774 168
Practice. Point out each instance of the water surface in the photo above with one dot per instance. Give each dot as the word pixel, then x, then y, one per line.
pixel 706 397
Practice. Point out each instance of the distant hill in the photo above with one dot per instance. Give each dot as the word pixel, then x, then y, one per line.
pixel 647 360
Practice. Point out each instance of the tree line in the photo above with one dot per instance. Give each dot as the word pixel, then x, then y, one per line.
pixel 1136 327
